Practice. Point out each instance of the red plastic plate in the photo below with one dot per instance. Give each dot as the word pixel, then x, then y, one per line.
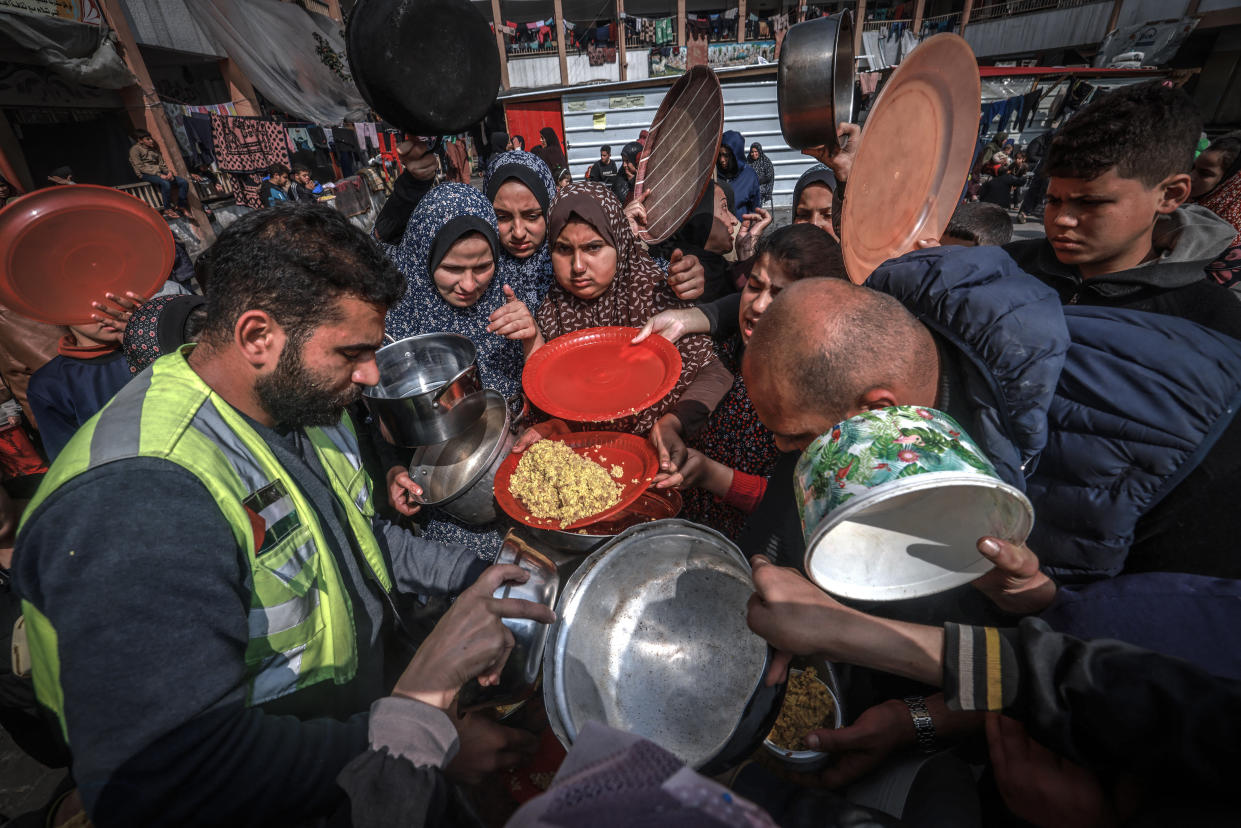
pixel 635 456
pixel 595 374
pixel 62 248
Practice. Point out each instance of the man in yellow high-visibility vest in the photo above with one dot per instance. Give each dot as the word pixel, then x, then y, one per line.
pixel 206 586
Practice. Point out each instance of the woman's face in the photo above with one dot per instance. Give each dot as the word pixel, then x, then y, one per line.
pixel 815 207
pixel 766 281
pixel 1208 170
pixel 465 271
pixel 522 225
pixel 584 264
pixel 721 238
pixel 753 153
pixel 517 144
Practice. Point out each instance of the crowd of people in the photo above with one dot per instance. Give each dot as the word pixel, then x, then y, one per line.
pixel 227 584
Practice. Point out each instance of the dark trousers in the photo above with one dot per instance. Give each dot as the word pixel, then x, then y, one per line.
pixel 165 188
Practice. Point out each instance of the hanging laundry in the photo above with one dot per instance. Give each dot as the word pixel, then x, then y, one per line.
pixel 198 129
pixel 301 138
pixel 368 137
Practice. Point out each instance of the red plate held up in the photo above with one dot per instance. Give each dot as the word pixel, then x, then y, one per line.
pixel 62 248
pixel 637 459
pixel 596 374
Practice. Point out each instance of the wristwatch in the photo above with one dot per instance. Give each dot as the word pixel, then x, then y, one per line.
pixel 923 726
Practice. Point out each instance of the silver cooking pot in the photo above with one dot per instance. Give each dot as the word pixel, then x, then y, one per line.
pixel 651 638
pixel 814 82
pixel 458 475
pixel 521 672
pixel 428 389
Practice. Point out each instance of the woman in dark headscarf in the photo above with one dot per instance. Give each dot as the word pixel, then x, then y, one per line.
pixel 764 170
pixel 517 143
pixel 551 153
pixel 605 277
pixel 707 234
pixel 520 189
pixel 813 198
pixel 448 257
pixel 455 221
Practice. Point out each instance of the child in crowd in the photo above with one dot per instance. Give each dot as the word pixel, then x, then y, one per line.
pixel 977 223
pixel 1119 232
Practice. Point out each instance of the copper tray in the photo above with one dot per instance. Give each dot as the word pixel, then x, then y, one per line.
pixel 680 152
pixel 914 156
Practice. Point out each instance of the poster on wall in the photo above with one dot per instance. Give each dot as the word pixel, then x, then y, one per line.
pixel 82 11
pixel 670 60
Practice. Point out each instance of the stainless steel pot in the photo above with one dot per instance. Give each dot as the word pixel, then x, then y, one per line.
pixel 814 82
pixel 458 475
pixel 521 671
pixel 651 638
pixel 428 389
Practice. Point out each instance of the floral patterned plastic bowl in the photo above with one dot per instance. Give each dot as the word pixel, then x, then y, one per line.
pixel 893 503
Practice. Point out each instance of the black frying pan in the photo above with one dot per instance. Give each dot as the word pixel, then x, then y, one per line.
pixel 429 67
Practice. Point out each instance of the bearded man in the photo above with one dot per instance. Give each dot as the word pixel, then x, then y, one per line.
pixel 206 586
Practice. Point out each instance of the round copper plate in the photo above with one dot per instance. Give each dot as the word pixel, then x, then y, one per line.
pixel 680 152
pixel 914 155
pixel 62 248
pixel 636 458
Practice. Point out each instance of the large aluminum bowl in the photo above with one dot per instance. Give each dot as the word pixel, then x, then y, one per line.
pixel 652 639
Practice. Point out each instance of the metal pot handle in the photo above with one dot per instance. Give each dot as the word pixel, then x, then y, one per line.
pixel 522 417
pixel 470 374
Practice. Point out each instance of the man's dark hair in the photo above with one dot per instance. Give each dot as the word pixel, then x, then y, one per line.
pixel 605 148
pixel 277 169
pixel 981 223
pixel 293 261
pixel 1146 131
pixel 300 168
pixel 804 251
pixel 139 134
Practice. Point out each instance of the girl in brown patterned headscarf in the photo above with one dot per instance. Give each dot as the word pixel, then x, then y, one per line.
pixel 605 277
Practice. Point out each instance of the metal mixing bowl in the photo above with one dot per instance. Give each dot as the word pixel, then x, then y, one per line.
pixel 521 672
pixel 652 639
pixel 428 389
pixel 458 475
pixel 810 760
pixel 814 82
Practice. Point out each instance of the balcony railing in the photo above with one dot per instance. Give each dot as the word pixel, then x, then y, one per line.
pixel 1008 8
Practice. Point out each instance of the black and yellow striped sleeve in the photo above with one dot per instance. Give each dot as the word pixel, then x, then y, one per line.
pixel 980 668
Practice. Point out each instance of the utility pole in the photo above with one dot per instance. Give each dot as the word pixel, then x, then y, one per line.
pixel 965 16
pixel 620 40
pixel 498 25
pixel 564 61
pixel 147 112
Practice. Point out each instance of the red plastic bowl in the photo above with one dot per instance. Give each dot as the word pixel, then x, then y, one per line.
pixel 595 374
pixel 637 459
pixel 62 248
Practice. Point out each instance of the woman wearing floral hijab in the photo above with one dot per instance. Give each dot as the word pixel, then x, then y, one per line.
pixel 520 188
pixel 605 277
pixel 448 257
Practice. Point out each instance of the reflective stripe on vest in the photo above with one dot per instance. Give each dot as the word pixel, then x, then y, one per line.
pixel 300 620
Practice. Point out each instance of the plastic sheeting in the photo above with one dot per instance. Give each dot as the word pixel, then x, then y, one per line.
pixel 75 51
pixel 273 43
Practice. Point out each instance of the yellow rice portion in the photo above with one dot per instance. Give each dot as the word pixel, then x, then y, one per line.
pixel 556 483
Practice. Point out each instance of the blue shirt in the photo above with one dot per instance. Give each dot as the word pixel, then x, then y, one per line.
pixel 68 391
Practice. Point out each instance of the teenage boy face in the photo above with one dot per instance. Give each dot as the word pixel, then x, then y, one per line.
pixel 1104 224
